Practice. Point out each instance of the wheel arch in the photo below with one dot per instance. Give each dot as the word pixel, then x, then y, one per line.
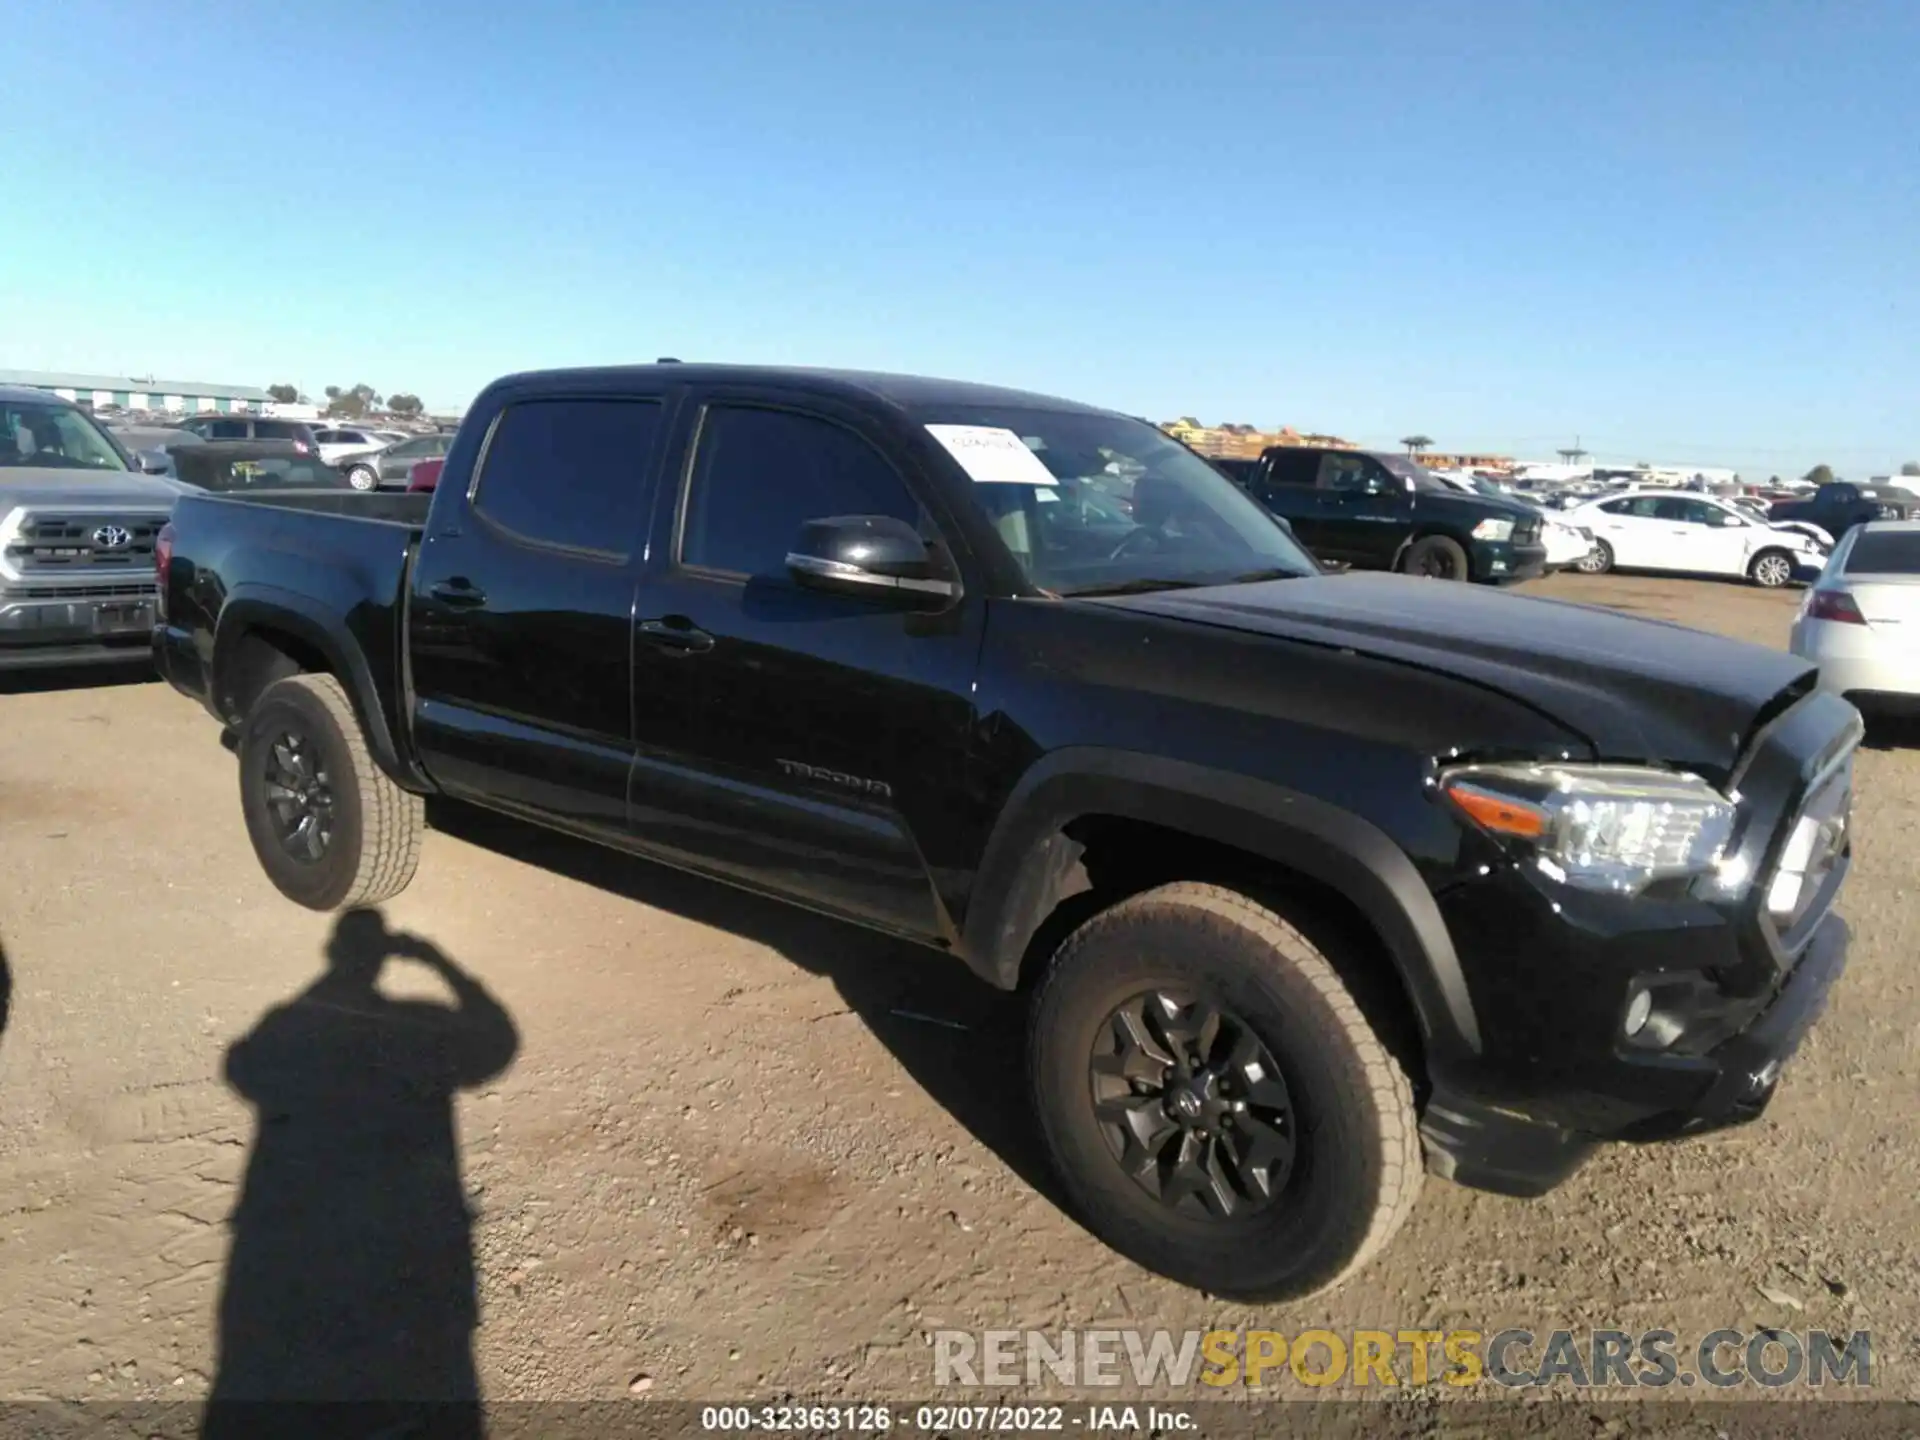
pixel 1032 873
pixel 1428 530
pixel 265 633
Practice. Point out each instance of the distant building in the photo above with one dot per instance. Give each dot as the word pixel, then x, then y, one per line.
pixel 134 392
pixel 1242 442
pixel 1441 460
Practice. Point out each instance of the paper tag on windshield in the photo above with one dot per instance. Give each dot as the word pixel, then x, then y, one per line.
pixel 991 455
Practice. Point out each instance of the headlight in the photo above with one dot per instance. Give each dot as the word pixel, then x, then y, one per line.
pixel 1614 828
pixel 1493 530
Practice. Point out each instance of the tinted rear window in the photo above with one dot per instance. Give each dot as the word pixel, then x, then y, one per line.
pixel 1885 552
pixel 570 472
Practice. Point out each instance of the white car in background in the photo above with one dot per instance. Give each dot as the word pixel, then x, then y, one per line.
pixel 1567 542
pixel 343 440
pixel 1861 623
pixel 1696 535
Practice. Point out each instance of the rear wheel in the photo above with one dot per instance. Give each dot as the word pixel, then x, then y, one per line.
pixel 363 477
pixel 1216 1105
pixel 330 829
pixel 1771 569
pixel 1597 561
pixel 1435 557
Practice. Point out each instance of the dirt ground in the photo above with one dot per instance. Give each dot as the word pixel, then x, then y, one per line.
pixel 727 1145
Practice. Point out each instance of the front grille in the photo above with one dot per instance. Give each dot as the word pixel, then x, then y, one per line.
pixel 73 542
pixel 135 591
pixel 1798 889
pixel 1525 532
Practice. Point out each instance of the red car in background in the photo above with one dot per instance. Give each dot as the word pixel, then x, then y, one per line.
pixel 425 474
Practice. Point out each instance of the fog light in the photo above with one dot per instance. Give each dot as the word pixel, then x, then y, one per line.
pixel 1638 1009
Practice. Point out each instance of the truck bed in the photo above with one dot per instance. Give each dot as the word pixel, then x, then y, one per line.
pixel 387 507
pixel 331 565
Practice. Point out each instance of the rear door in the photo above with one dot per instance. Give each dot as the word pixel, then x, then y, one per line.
pixel 519 625
pixel 805 743
pixel 1637 539
pixel 1286 487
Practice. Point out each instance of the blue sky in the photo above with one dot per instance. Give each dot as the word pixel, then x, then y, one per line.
pixel 1686 230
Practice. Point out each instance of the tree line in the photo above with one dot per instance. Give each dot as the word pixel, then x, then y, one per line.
pixel 352 402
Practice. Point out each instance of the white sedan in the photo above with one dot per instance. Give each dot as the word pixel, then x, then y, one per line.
pixel 1861 623
pixel 1695 534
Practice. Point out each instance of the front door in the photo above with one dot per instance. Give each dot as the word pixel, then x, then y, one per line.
pixel 520 615
pixel 1366 510
pixel 801 742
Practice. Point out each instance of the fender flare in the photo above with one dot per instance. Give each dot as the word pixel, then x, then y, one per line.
pixel 1029 862
pixel 267 607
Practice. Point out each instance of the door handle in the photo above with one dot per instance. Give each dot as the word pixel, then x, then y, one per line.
pixel 677 635
pixel 457 591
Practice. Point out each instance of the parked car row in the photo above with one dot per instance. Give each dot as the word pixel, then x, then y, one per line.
pixel 1377 511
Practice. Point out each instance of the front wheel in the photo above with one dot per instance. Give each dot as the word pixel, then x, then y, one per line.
pixel 330 829
pixel 1597 561
pixel 363 477
pixel 1771 569
pixel 1435 557
pixel 1214 1102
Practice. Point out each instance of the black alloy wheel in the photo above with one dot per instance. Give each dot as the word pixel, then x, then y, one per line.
pixel 330 828
pixel 299 796
pixel 1193 1105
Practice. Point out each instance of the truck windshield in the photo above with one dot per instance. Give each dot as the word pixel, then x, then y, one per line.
pixel 54 436
pixel 1422 478
pixel 1098 504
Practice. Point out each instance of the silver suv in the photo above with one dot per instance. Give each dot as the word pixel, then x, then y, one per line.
pixel 78 526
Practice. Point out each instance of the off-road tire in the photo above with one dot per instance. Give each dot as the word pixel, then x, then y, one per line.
pixel 375 844
pixel 1597 561
pixel 1357 1169
pixel 1429 548
pixel 1762 570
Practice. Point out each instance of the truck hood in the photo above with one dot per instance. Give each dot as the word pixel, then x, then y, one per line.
pixel 1636 690
pixel 1473 507
pixel 49 485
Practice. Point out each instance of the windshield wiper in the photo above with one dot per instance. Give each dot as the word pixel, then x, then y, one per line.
pixel 1134 587
pixel 1254 577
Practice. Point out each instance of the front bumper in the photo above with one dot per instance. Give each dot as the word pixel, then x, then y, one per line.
pixel 1492 1147
pixel 1500 562
pixel 1733 983
pixel 42 631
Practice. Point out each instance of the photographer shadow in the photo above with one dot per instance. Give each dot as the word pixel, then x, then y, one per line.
pixel 351 1275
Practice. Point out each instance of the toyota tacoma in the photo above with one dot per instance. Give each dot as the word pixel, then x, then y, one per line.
pixel 1317 883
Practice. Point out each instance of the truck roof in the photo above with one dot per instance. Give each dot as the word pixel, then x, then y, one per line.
pixel 28 395
pixel 906 391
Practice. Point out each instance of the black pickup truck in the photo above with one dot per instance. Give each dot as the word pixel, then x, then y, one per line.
pixel 1383 512
pixel 1838 507
pixel 1305 872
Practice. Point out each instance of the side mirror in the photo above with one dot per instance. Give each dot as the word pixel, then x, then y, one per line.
pixel 153 462
pixel 1333 567
pixel 873 556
